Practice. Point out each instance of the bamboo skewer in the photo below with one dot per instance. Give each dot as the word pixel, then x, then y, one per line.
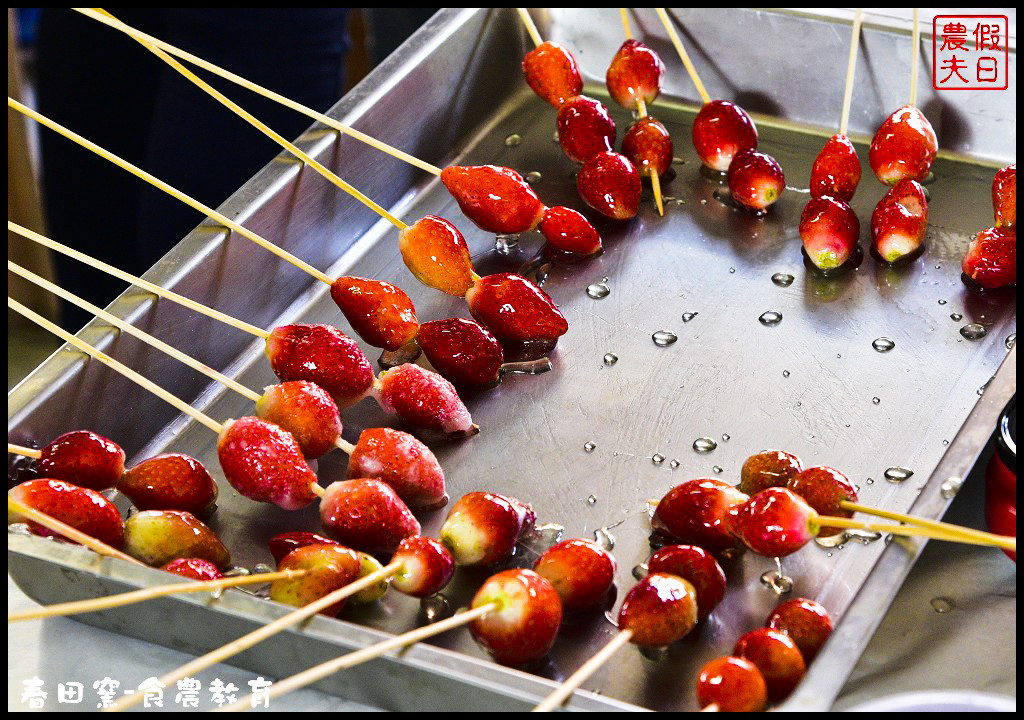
pixel 33 453
pixel 988 539
pixel 915 44
pixel 851 68
pixel 62 528
pixel 567 688
pixel 917 521
pixel 641 109
pixel 531 28
pixel 687 63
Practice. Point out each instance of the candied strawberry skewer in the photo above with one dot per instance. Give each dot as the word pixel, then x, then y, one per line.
pixel 82 509
pixel 81 457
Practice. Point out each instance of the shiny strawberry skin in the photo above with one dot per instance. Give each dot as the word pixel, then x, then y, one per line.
pixel 768 468
pixel 283 543
pixel 695 513
pixel 462 351
pixel 496 199
pixel 732 684
pixel 331 567
pixel 424 399
pixel 324 355
pixel 194 569
pixel 805 622
pixel 436 253
pixel 585 128
pixel 903 147
pixel 836 171
pixel 899 221
pixel 401 461
pixel 611 185
pixel 830 231
pixel 157 537
pixel 427 566
pixel 581 571
pixel 524 625
pixel 83 458
pixel 264 463
pixel 569 231
pixel 776 522
pixel 172 481
pixel 777 657
pixel 991 259
pixel 513 308
pixel 1004 197
pixel 755 179
pixel 481 529
pixel 825 489
pixel 551 72
pixel 380 313
pixel 81 508
pixel 720 130
pixel 697 566
pixel 306 411
pixel 366 515
pixel 648 146
pixel 659 609
pixel 634 74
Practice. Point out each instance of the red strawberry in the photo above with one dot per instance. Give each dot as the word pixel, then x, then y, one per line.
pixel 696 566
pixel 836 170
pixel 401 461
pixel 81 508
pixel 523 626
pixel 513 308
pixel 991 259
pixel 768 468
pixel 830 231
pixel 755 179
pixel 283 543
pixel 805 622
pixel 634 74
pixel 648 146
pixel 904 147
pixel 306 411
pixel 380 313
pixel 899 221
pixel 367 515
pixel 424 399
pixel 84 458
pixel 551 72
pixel 611 185
pixel 264 463
pixel 777 657
pixel 194 568
pixel 731 684
pixel 170 482
pixel 331 567
pixel 695 513
pixel 156 537
pixel 659 609
pixel 324 355
pixel 568 231
pixel 482 528
pixel 1004 197
pixel 581 572
pixel 462 351
pixel 427 566
pixel 825 489
pixel 720 130
pixel 776 522
pixel 496 198
pixel 437 254
pixel 585 128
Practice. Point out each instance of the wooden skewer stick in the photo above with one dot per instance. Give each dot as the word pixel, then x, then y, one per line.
pixel 588 668
pixel 33 453
pixel 260 90
pixel 62 528
pixel 641 110
pixel 1000 541
pixel 915 46
pixel 915 520
pixel 136 596
pixel 259 635
pixel 172 191
pixel 690 69
pixel 531 28
pixel 851 68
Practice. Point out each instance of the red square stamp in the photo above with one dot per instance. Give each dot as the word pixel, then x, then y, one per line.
pixel 970 52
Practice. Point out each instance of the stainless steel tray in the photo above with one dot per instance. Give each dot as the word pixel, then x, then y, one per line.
pixel 454 94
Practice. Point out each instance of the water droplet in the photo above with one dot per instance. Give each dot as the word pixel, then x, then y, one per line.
pixel 658 459
pixel 533 177
pixel 864 537
pixel 945 442
pixel 704 445
pixel 898 474
pixel 838 356
pixel 1011 340
pixel 956 317
pixel 778 582
pixel 870 481
pixel 725 437
pixel 434 608
pixel 782 279
pixel 831 541
pixel 717 469
pixel 513 140
pixel 678 161
pixel 785 373
pixel 548 534
pixel 688 316
pixel 799 404
pixel 598 290
pixel 589 447
pixel 592 499
pixel 732 270
pixel 604 538
pixel 703 201
pixel 883 344
pixel 942 302
pixel 664 338
pixel 674 464
pixel 555 138
pixel 876 400
pixel 610 359
pixel 505 244
pixel 261 568
pixel 950 487
pixel 974 331
pixel 942 605
pixel 640 571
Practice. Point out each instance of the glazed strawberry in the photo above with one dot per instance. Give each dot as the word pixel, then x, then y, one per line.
pixel 659 609
pixel 81 508
pixel 437 254
pixel 720 130
pixel 497 199
pixel 903 147
pixel 899 221
pixel 836 170
pixel 611 185
pixel 805 622
pixel 695 513
pixel 306 411
pixel 731 684
pixel 698 567
pixel 830 231
pixel 403 462
pixel 170 482
pixel 585 128
pixel 581 571
pixel 768 468
pixel 194 568
pixel 568 231
pixel 777 657
pixel 523 626
pixel 991 259
pixel 1004 197
pixel 513 308
pixel 283 543
pixel 156 537
pixel 427 566
pixel 551 72
pixel 648 146
pixel 380 313
pixel 462 351
pixel 776 522
pixel 83 458
pixel 424 399
pixel 825 489
pixel 755 179
pixel 634 74
pixel 324 355
pixel 482 528
pixel 264 463
pixel 330 567
pixel 367 515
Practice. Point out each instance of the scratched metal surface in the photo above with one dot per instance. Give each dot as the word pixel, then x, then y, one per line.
pixel 808 384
